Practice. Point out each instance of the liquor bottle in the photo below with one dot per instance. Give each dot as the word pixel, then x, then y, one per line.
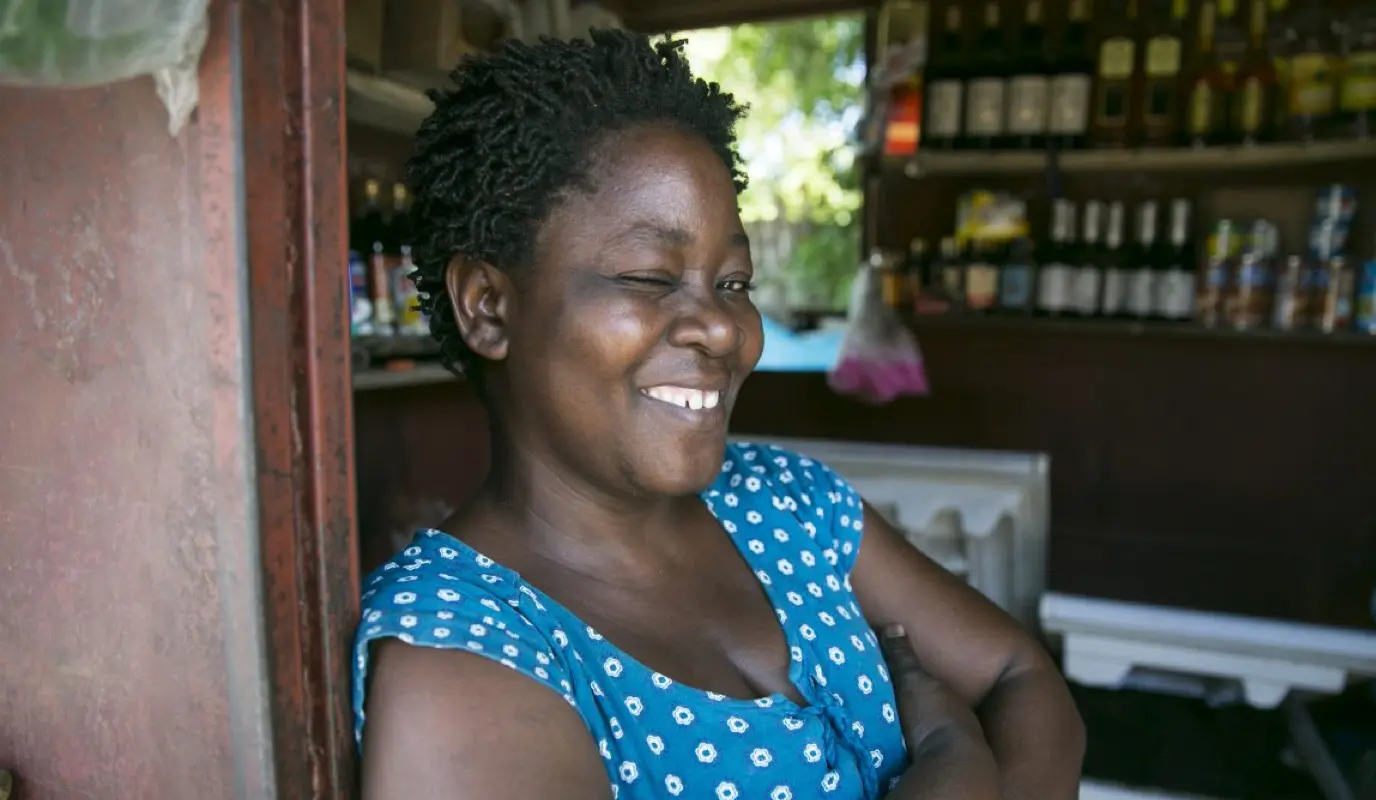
pixel 897 94
pixel 1279 43
pixel 1143 266
pixel 408 318
pixel 982 277
pixel 360 261
pixel 1231 44
pixel 952 273
pixel 1357 92
pixel 1206 106
pixel 1089 271
pixel 1057 275
pixel 1114 266
pixel 376 241
pixel 1018 279
pixel 1257 84
pixel 1160 107
pixel 945 75
pixel 917 271
pixel 986 93
pixel 1029 91
pixel 1175 287
pixel 1072 80
pixel 1114 96
pixel 1313 72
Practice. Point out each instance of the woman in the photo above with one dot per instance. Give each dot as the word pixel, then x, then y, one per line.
pixel 629 607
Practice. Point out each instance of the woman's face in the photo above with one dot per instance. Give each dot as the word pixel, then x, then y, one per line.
pixel 626 349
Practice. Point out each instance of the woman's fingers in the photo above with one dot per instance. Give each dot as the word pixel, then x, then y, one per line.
pixel 924 703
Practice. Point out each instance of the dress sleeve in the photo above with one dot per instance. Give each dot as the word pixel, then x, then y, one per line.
pixel 428 605
pixel 827 506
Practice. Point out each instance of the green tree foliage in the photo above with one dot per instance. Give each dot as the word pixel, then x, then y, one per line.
pixel 803 80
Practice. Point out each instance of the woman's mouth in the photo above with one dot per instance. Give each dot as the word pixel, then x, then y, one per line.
pixel 684 397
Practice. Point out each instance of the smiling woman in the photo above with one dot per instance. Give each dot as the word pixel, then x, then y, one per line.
pixel 628 607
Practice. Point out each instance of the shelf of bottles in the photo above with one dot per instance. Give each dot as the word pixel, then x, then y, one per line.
pixel 987 86
pixel 1110 266
pixel 391 342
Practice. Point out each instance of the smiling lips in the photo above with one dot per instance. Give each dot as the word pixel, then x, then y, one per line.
pixel 692 399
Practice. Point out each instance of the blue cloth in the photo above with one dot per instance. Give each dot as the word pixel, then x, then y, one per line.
pixel 798 525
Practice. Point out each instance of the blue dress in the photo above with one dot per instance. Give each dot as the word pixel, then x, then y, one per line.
pixel 798 525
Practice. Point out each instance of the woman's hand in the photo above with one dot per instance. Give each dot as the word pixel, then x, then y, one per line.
pixel 946 749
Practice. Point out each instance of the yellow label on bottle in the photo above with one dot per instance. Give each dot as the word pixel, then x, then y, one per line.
pixel 991 15
pixel 1163 56
pixel 1115 58
pixel 1279 5
pixel 1358 91
pixel 953 18
pixel 1312 85
pixel 1206 28
pixel 1258 21
pixel 1252 107
pixel 1180 9
pixel 1201 109
pixel 1034 12
pixel 1079 10
pixel 1227 8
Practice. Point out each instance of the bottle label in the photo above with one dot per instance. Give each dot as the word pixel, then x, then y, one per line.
pixel 1311 85
pixel 1251 112
pixel 1366 299
pixel 1163 57
pixel 1116 58
pixel 1017 286
pixel 1027 109
pixel 1115 291
pixel 1070 104
pixel 1053 290
pixel 1141 299
pixel 943 109
pixel 1079 9
pixel 981 285
pixel 1175 294
pixel 1084 294
pixel 984 116
pixel 1201 109
pixel 1359 83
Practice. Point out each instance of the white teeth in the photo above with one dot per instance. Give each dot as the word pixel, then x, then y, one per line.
pixel 695 399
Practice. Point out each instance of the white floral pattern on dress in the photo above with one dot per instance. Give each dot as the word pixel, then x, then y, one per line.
pixel 798 525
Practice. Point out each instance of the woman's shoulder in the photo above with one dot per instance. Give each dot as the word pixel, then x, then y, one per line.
pixel 439 593
pixel 763 482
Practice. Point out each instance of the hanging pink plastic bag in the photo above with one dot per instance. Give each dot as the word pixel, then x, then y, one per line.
pixel 879 360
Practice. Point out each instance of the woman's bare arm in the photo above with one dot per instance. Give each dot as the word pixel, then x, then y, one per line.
pixel 450 725
pixel 970 645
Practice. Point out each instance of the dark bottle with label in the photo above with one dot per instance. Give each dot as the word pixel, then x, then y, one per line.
pixel 982 277
pixel 951 274
pixel 1115 95
pixel 1251 302
pixel 1206 109
pixel 1231 42
pixel 1175 287
pixel 1313 72
pixel 1144 264
pixel 1115 265
pixel 1257 85
pixel 1222 249
pixel 945 73
pixel 986 91
pixel 1357 91
pixel 1018 279
pixel 1072 80
pixel 1056 278
pixel 1163 65
pixel 1089 270
pixel 1029 91
pixel 377 238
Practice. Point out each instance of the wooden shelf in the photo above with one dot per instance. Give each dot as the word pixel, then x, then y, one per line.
pixel 389 105
pixel 1269 156
pixel 421 375
pixel 1094 327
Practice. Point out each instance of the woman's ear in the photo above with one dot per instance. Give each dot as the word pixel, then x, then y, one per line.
pixel 481 296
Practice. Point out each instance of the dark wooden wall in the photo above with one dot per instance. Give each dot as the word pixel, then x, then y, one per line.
pixel 180 581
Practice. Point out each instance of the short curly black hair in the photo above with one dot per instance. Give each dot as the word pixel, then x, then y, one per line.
pixel 519 129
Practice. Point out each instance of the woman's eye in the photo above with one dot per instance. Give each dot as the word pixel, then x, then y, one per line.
pixel 741 286
pixel 645 280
